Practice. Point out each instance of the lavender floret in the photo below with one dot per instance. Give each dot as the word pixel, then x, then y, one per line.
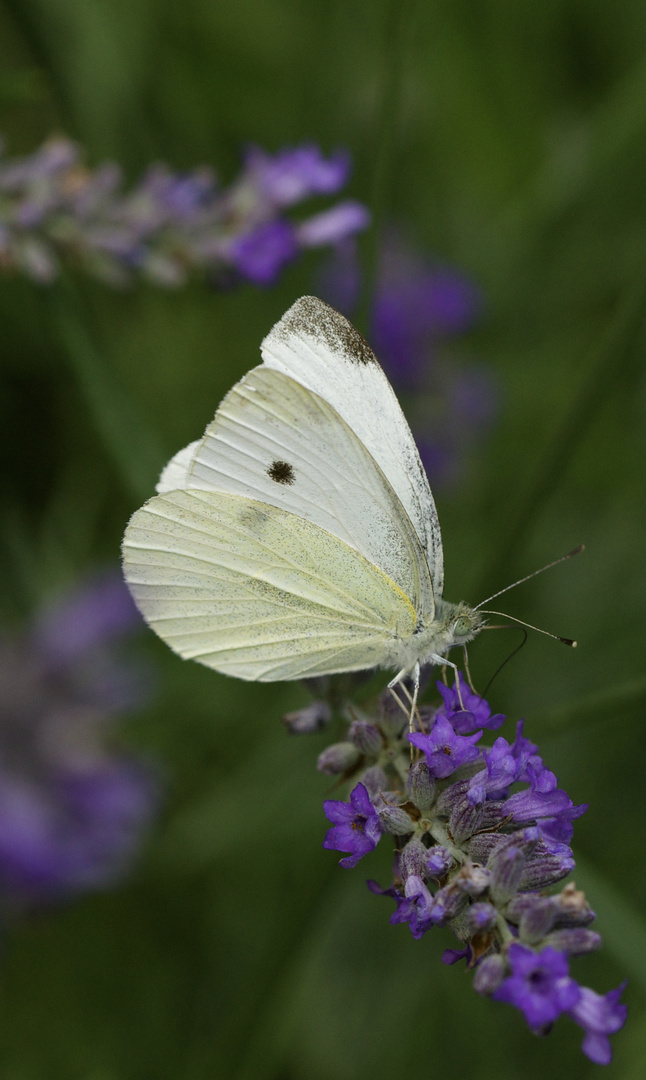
pixel 357 828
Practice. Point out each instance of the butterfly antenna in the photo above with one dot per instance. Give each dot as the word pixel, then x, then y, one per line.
pixel 521 622
pixel 570 555
pixel 506 660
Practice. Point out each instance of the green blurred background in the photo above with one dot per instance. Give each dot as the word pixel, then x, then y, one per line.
pixel 511 141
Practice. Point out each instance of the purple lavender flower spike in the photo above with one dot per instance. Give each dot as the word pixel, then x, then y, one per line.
pixel 599 1016
pixel 445 751
pixel 55 210
pixel 540 986
pixel 476 854
pixel 357 829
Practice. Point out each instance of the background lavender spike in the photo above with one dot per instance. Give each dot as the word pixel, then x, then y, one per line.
pixel 55 211
pixel 73 809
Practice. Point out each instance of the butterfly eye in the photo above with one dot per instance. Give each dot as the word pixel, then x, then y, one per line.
pixel 462 626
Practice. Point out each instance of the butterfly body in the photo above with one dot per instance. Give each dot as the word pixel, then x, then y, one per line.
pixel 299 536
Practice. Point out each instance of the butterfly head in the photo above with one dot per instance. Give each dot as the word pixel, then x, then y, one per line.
pixel 452 624
pixel 466 624
pixel 455 624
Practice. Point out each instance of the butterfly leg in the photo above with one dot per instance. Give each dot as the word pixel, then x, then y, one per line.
pixel 434 659
pixel 398 680
pixel 399 701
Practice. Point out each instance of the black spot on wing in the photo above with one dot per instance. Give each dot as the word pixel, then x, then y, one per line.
pixel 313 317
pixel 282 472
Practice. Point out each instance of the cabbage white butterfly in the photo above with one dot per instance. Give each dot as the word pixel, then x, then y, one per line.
pixel 299 536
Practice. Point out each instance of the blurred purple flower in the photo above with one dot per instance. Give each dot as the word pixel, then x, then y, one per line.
pixel 72 811
pixel 53 210
pixel 261 255
pixel 290 176
pixel 418 310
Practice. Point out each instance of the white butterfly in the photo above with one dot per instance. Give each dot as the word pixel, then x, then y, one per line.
pixel 299 536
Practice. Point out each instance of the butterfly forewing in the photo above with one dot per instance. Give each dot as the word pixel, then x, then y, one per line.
pixel 275 441
pixel 320 349
pixel 255 591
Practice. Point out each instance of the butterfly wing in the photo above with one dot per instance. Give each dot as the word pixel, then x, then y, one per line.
pixel 320 349
pixel 275 441
pixel 258 592
pixel 175 474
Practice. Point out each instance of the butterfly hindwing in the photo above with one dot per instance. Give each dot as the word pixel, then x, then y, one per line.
pixel 257 592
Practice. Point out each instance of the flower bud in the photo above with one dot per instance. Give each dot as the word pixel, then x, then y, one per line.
pixel 536 920
pixel 338 758
pixel 507 863
pixel 480 847
pixel 471 879
pixel 421 786
pixel 465 820
pixel 489 974
pixel 575 940
pixel 395 821
pixel 375 780
pixel 572 908
pixel 412 859
pixel 481 917
pixel 366 737
pixel 438 861
pixel 545 867
pixel 312 718
pixel 451 796
pixel 391 717
pixel 449 902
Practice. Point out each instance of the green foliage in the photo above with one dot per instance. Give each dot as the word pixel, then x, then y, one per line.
pixel 509 139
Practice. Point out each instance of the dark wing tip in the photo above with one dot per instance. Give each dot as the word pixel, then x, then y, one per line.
pixel 313 318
